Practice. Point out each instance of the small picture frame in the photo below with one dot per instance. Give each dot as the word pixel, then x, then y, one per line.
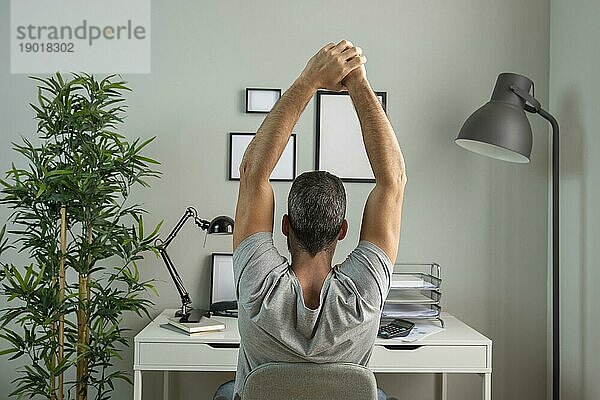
pixel 339 144
pixel 260 100
pixel 284 171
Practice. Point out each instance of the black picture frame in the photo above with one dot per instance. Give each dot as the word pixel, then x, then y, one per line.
pixel 260 111
pixel 319 152
pixel 236 154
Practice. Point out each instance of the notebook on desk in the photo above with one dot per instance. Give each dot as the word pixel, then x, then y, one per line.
pixel 204 325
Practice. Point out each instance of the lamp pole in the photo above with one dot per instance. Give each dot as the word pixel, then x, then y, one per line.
pixel 533 106
pixel 555 257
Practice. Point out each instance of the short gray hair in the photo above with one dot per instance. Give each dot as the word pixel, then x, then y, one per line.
pixel 316 210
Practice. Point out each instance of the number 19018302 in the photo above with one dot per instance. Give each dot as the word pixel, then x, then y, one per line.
pixel 35 47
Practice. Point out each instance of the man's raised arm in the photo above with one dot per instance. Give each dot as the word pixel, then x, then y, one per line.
pixel 255 206
pixel 382 214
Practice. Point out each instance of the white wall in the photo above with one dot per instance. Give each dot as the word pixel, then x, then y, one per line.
pixel 483 220
pixel 574 97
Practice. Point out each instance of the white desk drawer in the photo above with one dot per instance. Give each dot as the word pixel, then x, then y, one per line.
pixel 428 358
pixel 189 355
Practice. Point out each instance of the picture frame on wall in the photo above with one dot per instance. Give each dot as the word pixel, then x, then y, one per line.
pixel 339 144
pixel 284 171
pixel 261 100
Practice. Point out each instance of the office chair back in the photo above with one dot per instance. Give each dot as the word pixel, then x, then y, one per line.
pixel 308 381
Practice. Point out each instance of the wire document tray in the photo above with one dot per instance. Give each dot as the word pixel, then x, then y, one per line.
pixel 416 280
pixel 415 292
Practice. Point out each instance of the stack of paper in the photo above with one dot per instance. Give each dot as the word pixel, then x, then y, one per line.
pixel 410 297
pixel 407 281
pixel 391 310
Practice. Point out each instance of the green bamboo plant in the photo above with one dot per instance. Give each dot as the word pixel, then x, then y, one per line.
pixel 72 220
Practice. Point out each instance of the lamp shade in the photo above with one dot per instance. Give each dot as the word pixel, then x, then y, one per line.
pixel 221 225
pixel 500 129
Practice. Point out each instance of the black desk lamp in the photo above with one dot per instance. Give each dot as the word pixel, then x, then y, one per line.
pixel 500 129
pixel 221 225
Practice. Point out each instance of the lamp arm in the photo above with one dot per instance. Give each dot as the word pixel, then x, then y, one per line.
pixel 161 246
pixel 190 212
pixel 183 293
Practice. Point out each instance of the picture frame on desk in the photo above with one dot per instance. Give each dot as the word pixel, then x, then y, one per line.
pixel 285 170
pixel 223 298
pixel 339 145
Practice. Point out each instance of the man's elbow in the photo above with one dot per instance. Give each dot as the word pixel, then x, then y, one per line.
pixel 251 171
pixel 244 167
pixel 394 183
pixel 399 185
pixel 404 179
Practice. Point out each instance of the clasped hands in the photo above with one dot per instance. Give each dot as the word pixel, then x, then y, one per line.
pixel 335 67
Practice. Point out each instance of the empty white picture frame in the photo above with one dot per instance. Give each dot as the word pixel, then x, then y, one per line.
pixel 222 282
pixel 261 100
pixel 285 170
pixel 339 144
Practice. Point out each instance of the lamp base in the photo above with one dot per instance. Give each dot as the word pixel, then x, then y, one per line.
pixel 193 315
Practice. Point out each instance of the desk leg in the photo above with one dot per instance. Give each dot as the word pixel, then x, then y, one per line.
pixel 137 385
pixel 166 385
pixel 487 386
pixel 442 386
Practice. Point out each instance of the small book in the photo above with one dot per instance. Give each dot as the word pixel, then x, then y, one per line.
pixel 204 325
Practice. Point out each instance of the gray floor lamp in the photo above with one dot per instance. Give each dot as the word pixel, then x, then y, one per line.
pixel 500 129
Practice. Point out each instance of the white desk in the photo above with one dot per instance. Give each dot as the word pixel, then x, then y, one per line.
pixel 458 349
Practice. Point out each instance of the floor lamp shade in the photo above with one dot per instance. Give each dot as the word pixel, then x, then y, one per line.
pixel 500 129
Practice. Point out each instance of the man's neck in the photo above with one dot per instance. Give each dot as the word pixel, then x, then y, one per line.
pixel 302 262
pixel 311 273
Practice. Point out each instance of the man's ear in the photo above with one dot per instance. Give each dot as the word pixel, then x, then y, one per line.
pixel 285 225
pixel 343 230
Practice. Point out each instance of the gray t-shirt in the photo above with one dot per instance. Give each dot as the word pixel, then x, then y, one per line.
pixel 276 326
